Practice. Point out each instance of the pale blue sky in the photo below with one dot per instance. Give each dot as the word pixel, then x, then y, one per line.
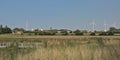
pixel 67 14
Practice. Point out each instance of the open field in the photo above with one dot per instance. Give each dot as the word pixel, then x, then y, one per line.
pixel 65 37
pixel 60 47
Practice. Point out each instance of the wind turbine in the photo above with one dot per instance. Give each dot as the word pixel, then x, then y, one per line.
pixel 105 26
pixel 114 25
pixel 93 26
pixel 26 24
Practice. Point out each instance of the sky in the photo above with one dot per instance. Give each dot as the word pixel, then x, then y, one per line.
pixel 60 14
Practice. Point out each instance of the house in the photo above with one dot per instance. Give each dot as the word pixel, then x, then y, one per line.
pixel 18 31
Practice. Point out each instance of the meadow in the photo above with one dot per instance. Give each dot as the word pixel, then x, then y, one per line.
pixel 61 48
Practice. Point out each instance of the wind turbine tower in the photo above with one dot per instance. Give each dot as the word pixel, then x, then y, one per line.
pixel 93 26
pixel 105 26
pixel 114 24
pixel 26 24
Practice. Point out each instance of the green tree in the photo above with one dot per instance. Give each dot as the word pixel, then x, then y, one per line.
pixel 93 34
pixel 78 32
pixel 112 29
pixel 18 29
pixel 70 32
pixel 64 32
pixel 7 30
pixel 103 33
pixel 110 33
pixel 1 29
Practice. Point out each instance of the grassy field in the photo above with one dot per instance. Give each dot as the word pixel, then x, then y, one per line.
pixel 62 48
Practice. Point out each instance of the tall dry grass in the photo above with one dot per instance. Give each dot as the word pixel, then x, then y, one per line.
pixel 92 48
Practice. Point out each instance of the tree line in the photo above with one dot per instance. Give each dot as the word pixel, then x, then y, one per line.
pixel 8 30
pixel 5 30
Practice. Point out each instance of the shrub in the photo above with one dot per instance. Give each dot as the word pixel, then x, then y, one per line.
pixel 103 33
pixel 110 33
pixel 80 33
pixel 93 34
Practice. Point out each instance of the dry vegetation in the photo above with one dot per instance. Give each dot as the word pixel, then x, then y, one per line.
pixel 65 48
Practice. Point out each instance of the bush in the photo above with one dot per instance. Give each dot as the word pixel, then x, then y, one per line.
pixel 93 34
pixel 35 33
pixel 80 33
pixel 103 33
pixel 110 33
pixel 64 32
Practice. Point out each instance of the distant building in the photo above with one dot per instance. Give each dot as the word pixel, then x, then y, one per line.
pixel 17 32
